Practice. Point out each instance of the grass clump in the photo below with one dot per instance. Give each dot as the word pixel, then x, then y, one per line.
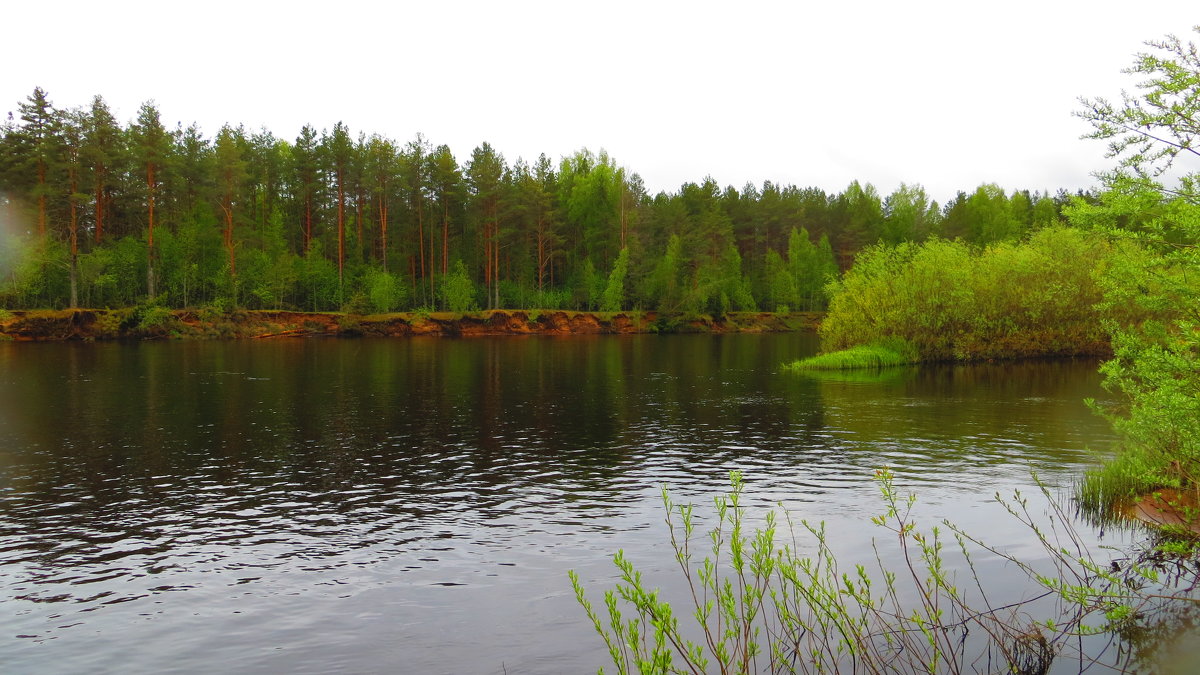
pixel 895 353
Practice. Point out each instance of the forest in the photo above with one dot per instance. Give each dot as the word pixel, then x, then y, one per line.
pixel 97 213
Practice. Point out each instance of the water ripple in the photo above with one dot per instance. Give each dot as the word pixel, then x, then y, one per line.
pixel 326 490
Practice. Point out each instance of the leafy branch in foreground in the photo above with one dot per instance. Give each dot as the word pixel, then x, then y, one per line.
pixel 1151 206
pixel 759 606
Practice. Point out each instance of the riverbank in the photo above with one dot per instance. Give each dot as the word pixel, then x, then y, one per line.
pixel 143 323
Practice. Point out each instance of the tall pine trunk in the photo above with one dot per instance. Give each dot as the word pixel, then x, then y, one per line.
pixel 432 266
pixel 100 176
pixel 383 225
pixel 42 200
pixel 360 199
pixel 445 239
pixel 341 215
pixel 421 238
pixel 151 185
pixel 74 244
pixel 307 222
pixel 227 207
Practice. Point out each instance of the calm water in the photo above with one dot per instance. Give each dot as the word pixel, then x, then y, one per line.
pixel 413 506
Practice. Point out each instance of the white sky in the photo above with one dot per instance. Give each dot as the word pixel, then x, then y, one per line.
pixel 945 94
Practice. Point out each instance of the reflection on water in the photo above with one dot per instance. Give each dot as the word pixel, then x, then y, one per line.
pixel 413 505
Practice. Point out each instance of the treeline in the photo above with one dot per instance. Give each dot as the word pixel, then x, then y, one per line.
pixel 101 214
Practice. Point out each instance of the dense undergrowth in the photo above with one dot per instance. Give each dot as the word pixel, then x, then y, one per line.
pixel 948 300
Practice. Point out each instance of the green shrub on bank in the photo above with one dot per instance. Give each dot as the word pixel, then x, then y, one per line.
pixel 1151 291
pixel 953 301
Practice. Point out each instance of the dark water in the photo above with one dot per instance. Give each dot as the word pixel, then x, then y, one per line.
pixel 413 506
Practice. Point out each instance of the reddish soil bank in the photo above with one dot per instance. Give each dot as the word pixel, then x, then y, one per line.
pixel 1167 508
pixel 157 323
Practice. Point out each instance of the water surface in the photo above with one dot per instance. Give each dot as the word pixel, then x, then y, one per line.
pixel 414 505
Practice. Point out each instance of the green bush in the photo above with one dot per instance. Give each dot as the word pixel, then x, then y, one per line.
pixel 952 301
pixel 458 291
pixel 357 304
pixel 385 293
pixel 155 317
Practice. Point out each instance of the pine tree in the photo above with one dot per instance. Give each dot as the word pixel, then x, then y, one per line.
pixel 306 172
pixel 231 169
pixel 414 173
pixel 151 145
pixel 36 153
pixel 72 123
pixel 337 150
pixel 448 194
pixel 382 167
pixel 101 152
pixel 485 176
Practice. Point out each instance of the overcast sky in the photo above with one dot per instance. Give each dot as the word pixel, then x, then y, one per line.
pixel 948 95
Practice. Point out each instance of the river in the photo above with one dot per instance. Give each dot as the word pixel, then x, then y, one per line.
pixel 413 505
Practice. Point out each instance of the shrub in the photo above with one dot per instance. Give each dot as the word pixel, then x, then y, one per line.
pixel 951 301
pixel 155 318
pixel 357 304
pixel 761 607
pixel 458 290
pixel 384 293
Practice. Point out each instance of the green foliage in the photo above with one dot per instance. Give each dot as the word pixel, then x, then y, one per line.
pixel 274 224
pixel 38 272
pixel 895 353
pixel 458 291
pixel 613 299
pixel 154 318
pixel 108 324
pixel 384 293
pixel 757 605
pixel 781 286
pixel 320 288
pixel 551 299
pixel 811 267
pixel 1185 547
pixel 357 304
pixel 952 301
pixel 1154 292
pixel 666 282
pixel 589 287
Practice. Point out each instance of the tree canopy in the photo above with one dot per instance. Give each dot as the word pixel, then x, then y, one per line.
pixel 100 213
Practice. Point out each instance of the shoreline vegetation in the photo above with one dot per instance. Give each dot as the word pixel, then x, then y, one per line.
pixel 770 594
pixel 100 212
pixel 948 301
pixel 1123 276
pixel 157 323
